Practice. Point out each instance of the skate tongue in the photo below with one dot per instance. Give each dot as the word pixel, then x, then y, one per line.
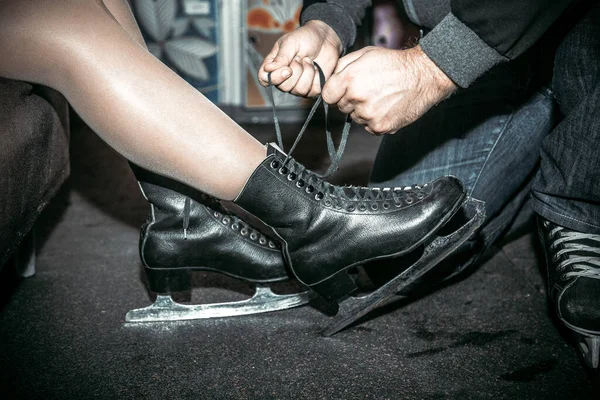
pixel 273 149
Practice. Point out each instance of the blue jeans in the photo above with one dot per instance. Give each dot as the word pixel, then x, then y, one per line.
pixel 566 189
pixel 492 134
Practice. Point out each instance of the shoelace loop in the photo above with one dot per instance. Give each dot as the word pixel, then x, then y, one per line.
pixel 335 155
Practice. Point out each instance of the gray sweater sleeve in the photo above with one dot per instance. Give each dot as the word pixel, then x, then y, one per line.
pixel 452 45
pixel 478 34
pixel 459 52
pixel 341 15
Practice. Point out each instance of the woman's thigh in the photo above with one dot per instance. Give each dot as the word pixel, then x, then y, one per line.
pixel 41 40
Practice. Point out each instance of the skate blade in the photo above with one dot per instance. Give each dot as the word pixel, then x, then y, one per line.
pixel 590 349
pixel 264 300
pixel 353 308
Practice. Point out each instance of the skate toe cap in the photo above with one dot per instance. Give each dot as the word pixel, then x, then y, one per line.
pixel 579 305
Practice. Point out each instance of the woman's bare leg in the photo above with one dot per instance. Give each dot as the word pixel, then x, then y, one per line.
pixel 121 12
pixel 136 104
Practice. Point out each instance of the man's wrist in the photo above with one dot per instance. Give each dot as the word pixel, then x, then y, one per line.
pixel 327 33
pixel 436 76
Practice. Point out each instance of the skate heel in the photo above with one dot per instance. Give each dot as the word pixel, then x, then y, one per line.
pixel 330 290
pixel 169 280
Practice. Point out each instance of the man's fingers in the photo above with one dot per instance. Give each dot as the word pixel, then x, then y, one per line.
pixel 262 72
pixel 284 56
pixel 288 83
pixel 347 59
pixel 305 82
pixel 358 119
pixel 277 77
pixel 345 106
pixel 371 131
pixel 280 76
pixel 334 89
pixel 315 89
pixel 278 62
pixel 269 58
pixel 336 85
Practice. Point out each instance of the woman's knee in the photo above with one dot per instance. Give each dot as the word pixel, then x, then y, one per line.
pixel 44 41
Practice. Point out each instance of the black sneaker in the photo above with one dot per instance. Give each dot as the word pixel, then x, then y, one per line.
pixel 573 272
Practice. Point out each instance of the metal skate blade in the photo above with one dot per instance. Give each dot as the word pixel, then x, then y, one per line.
pixel 590 349
pixel 264 300
pixel 355 307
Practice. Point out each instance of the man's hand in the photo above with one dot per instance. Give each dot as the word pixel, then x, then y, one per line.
pixel 386 89
pixel 291 59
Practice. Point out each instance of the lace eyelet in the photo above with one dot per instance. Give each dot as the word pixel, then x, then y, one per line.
pixel 226 221
pixel 300 183
pixel 362 207
pixel 420 196
pixel 271 244
pixel 409 200
pixel 374 207
pixel 253 236
pixel 310 189
pixel 327 203
pixel 283 170
pixel 292 176
pixel 351 208
pixel 275 164
pixel 386 205
pixel 564 277
pixel 262 241
pixel 555 257
pixel 217 215
pixel 235 227
pixel 319 196
pixel 244 231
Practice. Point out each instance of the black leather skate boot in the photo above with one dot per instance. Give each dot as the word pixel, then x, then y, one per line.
pixel 573 272
pixel 188 230
pixel 327 229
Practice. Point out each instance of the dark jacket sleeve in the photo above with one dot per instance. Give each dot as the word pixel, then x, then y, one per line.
pixel 479 34
pixel 342 15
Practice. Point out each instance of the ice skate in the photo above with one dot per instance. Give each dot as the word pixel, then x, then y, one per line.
pixel 190 231
pixel 573 273
pixel 326 229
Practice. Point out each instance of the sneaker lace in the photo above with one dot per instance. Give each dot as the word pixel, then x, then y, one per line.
pixel 314 181
pixel 580 250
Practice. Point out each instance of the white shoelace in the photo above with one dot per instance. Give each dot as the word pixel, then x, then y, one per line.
pixel 586 261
